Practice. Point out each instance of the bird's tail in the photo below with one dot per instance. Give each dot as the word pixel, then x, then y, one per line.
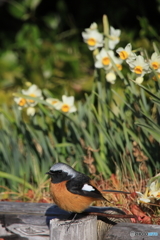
pixel 115 191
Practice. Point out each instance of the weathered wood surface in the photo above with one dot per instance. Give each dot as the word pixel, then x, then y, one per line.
pixel 133 231
pixel 25 208
pixel 79 230
pixel 30 221
pixel 46 209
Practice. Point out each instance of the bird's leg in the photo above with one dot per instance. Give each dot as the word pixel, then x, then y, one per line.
pixel 72 218
pixel 73 215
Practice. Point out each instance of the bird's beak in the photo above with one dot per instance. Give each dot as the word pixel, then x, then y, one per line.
pixel 48 173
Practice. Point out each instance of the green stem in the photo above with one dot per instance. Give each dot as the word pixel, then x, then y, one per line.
pixel 106 31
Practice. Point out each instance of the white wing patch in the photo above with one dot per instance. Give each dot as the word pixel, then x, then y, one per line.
pixel 88 188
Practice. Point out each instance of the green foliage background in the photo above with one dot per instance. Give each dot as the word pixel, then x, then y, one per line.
pixel 45 48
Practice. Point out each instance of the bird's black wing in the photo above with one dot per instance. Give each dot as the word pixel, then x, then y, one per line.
pixel 81 186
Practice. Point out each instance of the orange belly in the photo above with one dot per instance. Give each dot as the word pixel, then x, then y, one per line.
pixel 68 201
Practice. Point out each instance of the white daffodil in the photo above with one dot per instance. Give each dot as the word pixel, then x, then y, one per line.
pixel 114 37
pixel 93 26
pixel 154 190
pixel 126 53
pixel 139 66
pixel 53 102
pixel 157 76
pixel 33 91
pixel 67 104
pixel 31 111
pixel 111 77
pixel 93 38
pixel 118 62
pixel 155 61
pixel 103 59
pixel 21 102
pixel 142 198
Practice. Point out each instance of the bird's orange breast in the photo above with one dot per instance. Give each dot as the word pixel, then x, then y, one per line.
pixel 68 201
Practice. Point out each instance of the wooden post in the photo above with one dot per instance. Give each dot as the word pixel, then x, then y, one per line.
pixel 85 229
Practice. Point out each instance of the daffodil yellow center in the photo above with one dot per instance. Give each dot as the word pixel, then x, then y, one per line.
pixel 155 65
pixel 119 66
pixel 123 55
pixel 65 108
pixel 91 41
pixel 22 102
pixel 106 61
pixel 54 102
pixel 31 95
pixel 138 69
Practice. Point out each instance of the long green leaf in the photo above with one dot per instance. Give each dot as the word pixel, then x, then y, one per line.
pixel 16 179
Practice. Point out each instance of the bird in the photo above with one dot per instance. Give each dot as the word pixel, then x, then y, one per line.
pixel 73 191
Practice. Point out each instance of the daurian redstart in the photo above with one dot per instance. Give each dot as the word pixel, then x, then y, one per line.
pixel 73 191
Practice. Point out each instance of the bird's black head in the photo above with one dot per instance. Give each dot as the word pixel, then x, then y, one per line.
pixel 60 172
